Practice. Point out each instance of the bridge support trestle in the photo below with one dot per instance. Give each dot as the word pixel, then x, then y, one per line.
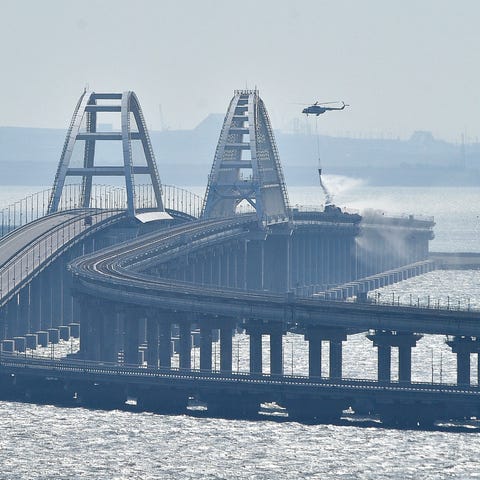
pixel 463 347
pixel 384 340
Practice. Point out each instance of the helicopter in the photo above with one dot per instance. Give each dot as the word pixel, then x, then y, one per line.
pixel 318 108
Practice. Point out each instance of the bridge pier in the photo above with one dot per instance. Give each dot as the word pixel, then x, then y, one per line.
pixel 276 350
pixel 46 299
pixel 35 303
pixel 335 336
pixel 255 260
pixel 277 260
pixel 206 346
pixel 463 347
pixel 165 339
pixel 226 336
pixel 88 338
pixel 11 317
pixel 255 333
pixel 22 326
pixel 384 340
pixel 152 339
pixel 67 309
pixel 185 344
pixel 56 295
pixel 107 338
pixel 314 339
pixel 225 325
pixel 131 338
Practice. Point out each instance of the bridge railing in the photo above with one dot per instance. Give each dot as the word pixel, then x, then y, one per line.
pixel 425 301
pixel 89 367
pixel 106 197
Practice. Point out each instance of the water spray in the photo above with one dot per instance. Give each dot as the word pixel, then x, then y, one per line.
pixel 328 196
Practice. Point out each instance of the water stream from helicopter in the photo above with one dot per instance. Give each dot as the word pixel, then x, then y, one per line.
pixel 328 196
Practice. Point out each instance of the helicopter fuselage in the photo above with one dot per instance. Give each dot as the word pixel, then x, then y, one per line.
pixel 319 109
pixel 314 110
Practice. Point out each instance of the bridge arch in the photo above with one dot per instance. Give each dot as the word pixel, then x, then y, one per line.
pixel 84 127
pixel 247 165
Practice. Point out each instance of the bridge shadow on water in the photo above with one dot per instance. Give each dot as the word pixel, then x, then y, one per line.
pixel 269 412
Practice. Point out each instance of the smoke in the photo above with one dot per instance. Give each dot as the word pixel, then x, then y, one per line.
pixel 382 236
pixel 314 196
pixel 339 184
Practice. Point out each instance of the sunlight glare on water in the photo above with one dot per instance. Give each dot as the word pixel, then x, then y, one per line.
pixel 43 442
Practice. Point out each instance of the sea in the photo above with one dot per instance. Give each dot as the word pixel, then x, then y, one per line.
pixel 49 442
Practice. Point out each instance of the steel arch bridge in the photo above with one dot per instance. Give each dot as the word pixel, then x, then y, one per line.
pixel 84 127
pixel 247 166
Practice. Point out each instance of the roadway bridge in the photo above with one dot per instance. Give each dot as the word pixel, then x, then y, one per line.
pixel 35 286
pixel 233 395
pixel 138 284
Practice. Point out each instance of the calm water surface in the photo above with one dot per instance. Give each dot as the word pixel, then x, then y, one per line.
pixel 43 442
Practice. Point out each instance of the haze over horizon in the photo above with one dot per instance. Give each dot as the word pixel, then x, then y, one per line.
pixel 402 66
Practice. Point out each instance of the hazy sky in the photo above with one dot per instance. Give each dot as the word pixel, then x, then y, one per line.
pixel 402 65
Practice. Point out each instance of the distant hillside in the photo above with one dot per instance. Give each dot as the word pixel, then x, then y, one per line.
pixel 29 156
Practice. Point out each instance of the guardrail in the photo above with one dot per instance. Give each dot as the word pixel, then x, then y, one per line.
pixel 103 197
pixel 27 262
pixel 88 367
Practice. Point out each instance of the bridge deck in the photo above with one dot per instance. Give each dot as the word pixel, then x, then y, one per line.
pixel 116 274
pixel 28 249
pixel 256 383
pixel 18 240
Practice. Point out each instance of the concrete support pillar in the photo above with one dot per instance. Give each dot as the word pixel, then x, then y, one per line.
pixel 56 293
pixel 11 317
pixel 276 276
pixel 255 351
pixel 132 317
pixel 85 331
pixel 75 310
pixel 206 347
pixel 276 352
pixel 67 314
pixel 34 310
pixel 226 348
pixel 384 340
pixel 463 368
pixel 405 363
pixel 255 265
pixel 314 335
pixel 185 347
pixel 107 321
pixel 314 356
pixel 46 299
pixel 165 338
pixel 463 347
pixel 335 359
pixel 384 363
pixel 23 308
pixel 152 339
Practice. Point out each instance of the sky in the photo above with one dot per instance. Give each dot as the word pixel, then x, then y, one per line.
pixel 401 65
